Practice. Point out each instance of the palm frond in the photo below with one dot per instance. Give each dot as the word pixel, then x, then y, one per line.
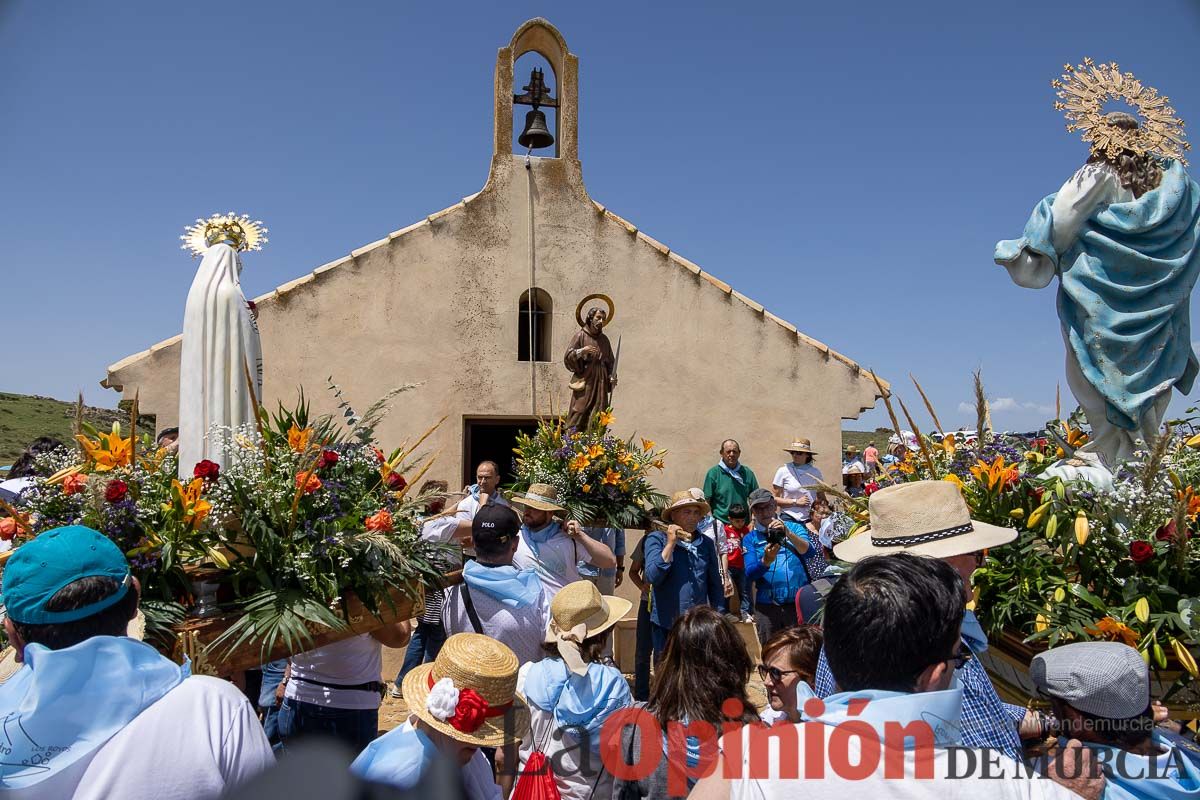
pixel 270 617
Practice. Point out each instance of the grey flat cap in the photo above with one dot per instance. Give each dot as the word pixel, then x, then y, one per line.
pixel 758 497
pixel 1104 679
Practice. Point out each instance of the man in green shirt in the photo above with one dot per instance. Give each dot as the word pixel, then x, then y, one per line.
pixel 728 483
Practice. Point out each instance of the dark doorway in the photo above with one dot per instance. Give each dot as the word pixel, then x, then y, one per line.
pixel 492 440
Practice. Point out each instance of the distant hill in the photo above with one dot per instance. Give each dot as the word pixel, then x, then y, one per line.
pixel 24 417
pixel 861 439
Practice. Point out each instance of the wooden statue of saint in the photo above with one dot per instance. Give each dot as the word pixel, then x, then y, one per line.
pixel 590 360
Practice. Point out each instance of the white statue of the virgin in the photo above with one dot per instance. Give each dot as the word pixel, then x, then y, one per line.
pixel 220 340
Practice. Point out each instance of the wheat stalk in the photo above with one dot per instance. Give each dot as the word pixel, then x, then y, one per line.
pixel 928 405
pixel 257 415
pixel 1158 452
pixel 886 395
pixel 920 439
pixel 133 418
pixel 983 413
pixel 77 426
pixel 400 494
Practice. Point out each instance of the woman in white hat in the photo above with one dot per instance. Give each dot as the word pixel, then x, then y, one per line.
pixel 571 694
pixel 464 700
pixel 681 566
pixel 793 483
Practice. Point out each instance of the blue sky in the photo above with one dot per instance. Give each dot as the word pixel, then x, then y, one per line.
pixel 860 159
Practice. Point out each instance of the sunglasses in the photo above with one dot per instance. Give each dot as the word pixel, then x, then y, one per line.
pixel 774 673
pixel 960 660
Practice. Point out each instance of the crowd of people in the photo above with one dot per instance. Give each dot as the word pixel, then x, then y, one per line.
pixel 866 647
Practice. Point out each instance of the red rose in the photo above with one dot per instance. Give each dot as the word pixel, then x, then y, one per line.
pixel 116 490
pixel 206 470
pixel 1141 552
pixel 396 482
pixel 470 712
pixel 379 456
pixel 870 488
pixel 328 458
pixel 1166 533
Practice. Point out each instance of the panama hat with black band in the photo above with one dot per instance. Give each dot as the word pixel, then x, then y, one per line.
pixel 926 518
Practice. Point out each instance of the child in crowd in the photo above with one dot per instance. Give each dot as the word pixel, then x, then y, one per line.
pixel 737 527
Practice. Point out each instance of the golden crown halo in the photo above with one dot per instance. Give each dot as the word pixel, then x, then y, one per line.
pixel 238 230
pixel 1083 90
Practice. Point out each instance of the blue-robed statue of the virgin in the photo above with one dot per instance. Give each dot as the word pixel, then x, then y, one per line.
pixel 1123 237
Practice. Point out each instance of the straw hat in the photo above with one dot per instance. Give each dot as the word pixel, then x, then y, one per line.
pixel 851 449
pixel 683 499
pixel 541 496
pixel 9 665
pixel 469 691
pixel 800 446
pixel 577 612
pixel 926 518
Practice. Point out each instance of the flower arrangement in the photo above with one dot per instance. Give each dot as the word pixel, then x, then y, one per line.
pixel 598 476
pixel 306 512
pixel 1098 556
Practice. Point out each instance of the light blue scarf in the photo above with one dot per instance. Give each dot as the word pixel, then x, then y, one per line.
pixel 972 633
pixel 736 474
pixel 580 701
pixel 513 587
pixel 541 536
pixel 398 758
pixel 942 711
pixel 1149 777
pixel 63 705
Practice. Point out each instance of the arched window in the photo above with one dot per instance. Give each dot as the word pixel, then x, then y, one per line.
pixel 534 326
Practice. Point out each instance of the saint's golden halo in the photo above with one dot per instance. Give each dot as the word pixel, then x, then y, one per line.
pixel 612 310
pixel 238 230
pixel 1083 90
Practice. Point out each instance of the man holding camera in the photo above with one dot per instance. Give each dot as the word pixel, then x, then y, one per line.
pixel 780 557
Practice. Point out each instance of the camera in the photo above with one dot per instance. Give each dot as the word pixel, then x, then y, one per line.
pixel 776 535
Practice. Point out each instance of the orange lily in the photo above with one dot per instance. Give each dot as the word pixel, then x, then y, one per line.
pixel 612 478
pixel 580 462
pixel 606 418
pixel 1075 438
pixel 949 445
pixel 298 439
pixel 1114 630
pixel 997 475
pixel 193 508
pixel 649 444
pixel 595 451
pixel 952 478
pixel 1188 496
pixel 109 451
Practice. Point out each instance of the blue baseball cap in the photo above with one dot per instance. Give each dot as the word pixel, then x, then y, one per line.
pixel 37 570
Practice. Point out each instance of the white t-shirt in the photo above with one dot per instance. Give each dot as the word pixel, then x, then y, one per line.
pixel 358 659
pixel 556 561
pixel 793 480
pixel 469 505
pixel 1002 779
pixel 199 739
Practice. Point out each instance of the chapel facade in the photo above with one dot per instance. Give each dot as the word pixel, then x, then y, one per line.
pixel 702 362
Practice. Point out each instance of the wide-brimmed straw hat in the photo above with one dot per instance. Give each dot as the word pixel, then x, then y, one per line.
pixel 469 691
pixel 683 499
pixel 800 446
pixel 9 666
pixel 541 496
pixel 577 612
pixel 927 518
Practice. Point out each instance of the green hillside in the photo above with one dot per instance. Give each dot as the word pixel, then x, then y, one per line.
pixel 23 418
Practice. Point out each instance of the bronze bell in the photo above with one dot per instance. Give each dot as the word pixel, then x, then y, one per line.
pixel 536 135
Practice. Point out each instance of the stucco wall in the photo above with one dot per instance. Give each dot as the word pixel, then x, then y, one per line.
pixel 437 303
